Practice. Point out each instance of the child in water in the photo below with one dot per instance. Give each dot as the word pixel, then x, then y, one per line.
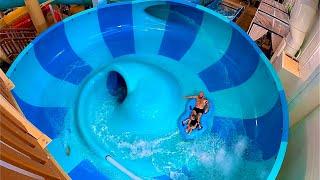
pixel 192 122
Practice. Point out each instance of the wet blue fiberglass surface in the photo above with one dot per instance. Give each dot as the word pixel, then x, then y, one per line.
pixel 111 81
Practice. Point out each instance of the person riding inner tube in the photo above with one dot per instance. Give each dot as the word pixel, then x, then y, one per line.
pixel 201 107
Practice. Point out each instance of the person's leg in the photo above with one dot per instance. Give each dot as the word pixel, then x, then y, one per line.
pixel 191 128
pixel 192 112
pixel 188 127
pixel 189 118
pixel 199 119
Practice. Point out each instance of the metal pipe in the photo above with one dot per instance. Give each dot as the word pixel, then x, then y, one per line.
pixel 121 168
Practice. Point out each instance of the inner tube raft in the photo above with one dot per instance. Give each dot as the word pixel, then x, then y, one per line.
pixel 206 121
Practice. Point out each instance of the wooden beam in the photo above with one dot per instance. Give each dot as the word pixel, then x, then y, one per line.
pixel 55 164
pixel 17 159
pixel 8 84
pixel 12 122
pixel 33 152
pixel 25 137
pixel 10 174
pixel 12 113
pixel 36 15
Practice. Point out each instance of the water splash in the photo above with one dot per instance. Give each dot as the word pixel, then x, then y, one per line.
pixel 208 157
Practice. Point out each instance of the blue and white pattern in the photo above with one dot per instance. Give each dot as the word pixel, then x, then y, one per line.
pixel 50 72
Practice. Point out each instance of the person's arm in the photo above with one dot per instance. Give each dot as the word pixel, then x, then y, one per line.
pixel 206 108
pixel 190 97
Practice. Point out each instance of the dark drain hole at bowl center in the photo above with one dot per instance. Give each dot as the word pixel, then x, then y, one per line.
pixel 117 86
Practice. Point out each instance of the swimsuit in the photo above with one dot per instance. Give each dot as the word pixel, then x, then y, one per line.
pixel 198 110
pixel 193 122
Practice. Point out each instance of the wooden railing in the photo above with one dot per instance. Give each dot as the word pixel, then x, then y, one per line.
pixel 14 40
pixel 22 144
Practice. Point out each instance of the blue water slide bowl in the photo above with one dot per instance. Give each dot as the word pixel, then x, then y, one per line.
pixel 149 55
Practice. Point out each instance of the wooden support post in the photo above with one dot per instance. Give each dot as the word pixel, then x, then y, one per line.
pixel 36 15
pixel 7 109
pixel 3 56
pixel 22 144
pixel 8 84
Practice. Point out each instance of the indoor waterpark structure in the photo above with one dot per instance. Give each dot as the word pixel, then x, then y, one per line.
pixel 159 89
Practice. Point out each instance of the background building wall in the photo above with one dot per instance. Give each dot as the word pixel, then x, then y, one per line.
pixel 302 157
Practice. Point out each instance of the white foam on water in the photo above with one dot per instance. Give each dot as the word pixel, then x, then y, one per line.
pixel 144 148
pixel 140 149
pixel 241 146
pixel 208 157
pixel 174 175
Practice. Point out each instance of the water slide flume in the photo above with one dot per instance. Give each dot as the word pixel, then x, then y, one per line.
pixel 7 4
pixel 157 52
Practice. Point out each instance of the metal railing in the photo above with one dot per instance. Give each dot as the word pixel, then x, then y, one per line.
pixel 14 40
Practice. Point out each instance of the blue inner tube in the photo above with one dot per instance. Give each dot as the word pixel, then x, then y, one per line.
pixel 206 121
